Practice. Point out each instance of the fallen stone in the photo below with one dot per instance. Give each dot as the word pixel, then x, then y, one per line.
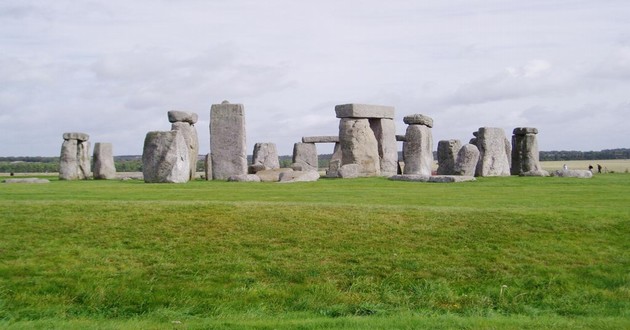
pixel 165 158
pixel 418 119
pixel 433 179
pixel 244 178
pixel 535 173
pixel 26 180
pixel 175 116
pixel 299 176
pixel 255 168
pixel 582 174
pixel 355 110
pixel 272 175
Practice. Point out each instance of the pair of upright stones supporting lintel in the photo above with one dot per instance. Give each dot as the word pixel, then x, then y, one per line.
pixel 367 138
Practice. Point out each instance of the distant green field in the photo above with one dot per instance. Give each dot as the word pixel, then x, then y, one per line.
pixel 359 253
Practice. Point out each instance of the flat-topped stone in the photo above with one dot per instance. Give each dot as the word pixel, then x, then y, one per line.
pixel 418 119
pixel 175 116
pixel 76 136
pixel 321 139
pixel 525 130
pixel 354 110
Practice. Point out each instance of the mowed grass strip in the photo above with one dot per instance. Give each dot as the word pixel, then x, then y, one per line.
pixel 498 247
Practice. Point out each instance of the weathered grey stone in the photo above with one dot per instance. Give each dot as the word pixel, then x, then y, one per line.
pixel 466 162
pixel 410 177
pixel 299 176
pixel 535 173
pixel 355 110
pixel 103 156
pixel 207 167
pixel 435 178
pixel 266 154
pixel 349 171
pixel 335 162
pixel 525 154
pixel 447 155
pixel 175 116
pixel 76 136
pixel 189 132
pixel 244 178
pixel 494 152
pixel 418 119
pixel 227 140
pixel 305 154
pixel 320 139
pixel 385 133
pixel 359 146
pixel 418 150
pixel 255 168
pixel 74 161
pixel 26 180
pixel 272 175
pixel 582 174
pixel 165 158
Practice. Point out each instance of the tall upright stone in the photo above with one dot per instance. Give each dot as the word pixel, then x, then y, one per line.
pixel 418 145
pixel 466 161
pixel 74 161
pixel 305 155
pixel 104 167
pixel 185 123
pixel 367 137
pixel 227 140
pixel 266 154
pixel 494 152
pixel 525 154
pixel 447 155
pixel 165 157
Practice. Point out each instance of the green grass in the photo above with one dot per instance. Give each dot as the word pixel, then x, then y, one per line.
pixel 362 253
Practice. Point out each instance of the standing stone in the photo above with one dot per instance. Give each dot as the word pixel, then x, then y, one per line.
pixel 266 154
pixel 494 152
pixel 359 146
pixel 165 158
pixel 385 132
pixel 418 145
pixel 185 122
pixel 104 167
pixel 335 162
pixel 207 166
pixel 447 155
pixel 305 154
pixel 227 140
pixel 525 155
pixel 466 162
pixel 74 161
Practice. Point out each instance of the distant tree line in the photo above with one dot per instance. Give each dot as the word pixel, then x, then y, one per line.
pixel 133 163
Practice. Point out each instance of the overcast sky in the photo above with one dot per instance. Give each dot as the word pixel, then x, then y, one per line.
pixel 113 68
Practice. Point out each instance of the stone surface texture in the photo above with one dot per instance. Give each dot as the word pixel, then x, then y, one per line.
pixel 359 146
pixel 355 110
pixel 272 175
pixel 189 132
pixel 305 155
pixel 227 140
pixel 385 133
pixel 320 139
pixel 74 160
pixel 299 176
pixel 104 167
pixel 207 167
pixel 165 158
pixel 418 150
pixel 349 171
pixel 244 178
pixel 266 154
pixel 494 152
pixel 525 154
pixel 76 136
pixel 26 180
pixel 582 174
pixel 434 178
pixel 447 155
pixel 466 161
pixel 175 116
pixel 418 119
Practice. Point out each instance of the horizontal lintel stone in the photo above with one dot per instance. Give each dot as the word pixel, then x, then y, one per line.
pixel 320 139
pixel 354 110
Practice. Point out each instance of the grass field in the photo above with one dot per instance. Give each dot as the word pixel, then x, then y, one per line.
pixel 361 253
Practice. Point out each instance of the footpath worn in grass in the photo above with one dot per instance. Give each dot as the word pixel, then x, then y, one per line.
pixel 364 253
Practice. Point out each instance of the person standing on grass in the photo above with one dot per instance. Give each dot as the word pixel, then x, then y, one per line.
pixel 599 168
pixel 590 168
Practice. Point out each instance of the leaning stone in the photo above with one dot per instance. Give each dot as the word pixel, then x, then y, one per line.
pixel 189 132
pixel 349 171
pixel 76 136
pixel 320 139
pixel 359 146
pixel 272 175
pixel 244 178
pixel 227 140
pixel 355 110
pixel 583 174
pixel 175 116
pixel 494 152
pixel 418 150
pixel 165 158
pixel 299 176
pixel 447 155
pixel 266 154
pixel 466 161
pixel 103 156
pixel 26 180
pixel 418 119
